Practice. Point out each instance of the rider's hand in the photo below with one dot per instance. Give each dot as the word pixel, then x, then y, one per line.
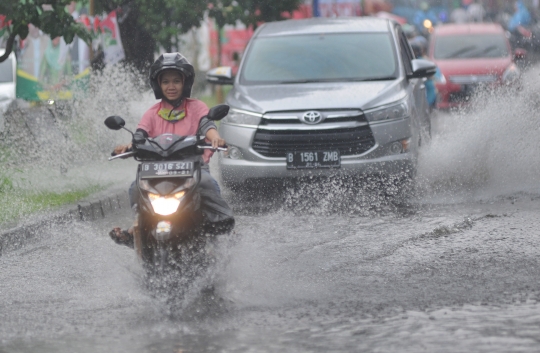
pixel 122 149
pixel 213 136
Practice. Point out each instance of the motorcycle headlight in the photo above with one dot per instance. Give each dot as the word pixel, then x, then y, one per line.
pixel 511 74
pixel 242 117
pixel 392 112
pixel 166 205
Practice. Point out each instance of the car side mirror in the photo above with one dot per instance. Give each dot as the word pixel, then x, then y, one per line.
pixel 220 76
pixel 218 112
pixel 422 68
pixel 115 122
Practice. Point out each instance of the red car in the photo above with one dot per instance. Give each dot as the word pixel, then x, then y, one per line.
pixel 470 56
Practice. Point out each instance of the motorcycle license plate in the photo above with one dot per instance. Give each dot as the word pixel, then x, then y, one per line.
pixel 313 159
pixel 150 170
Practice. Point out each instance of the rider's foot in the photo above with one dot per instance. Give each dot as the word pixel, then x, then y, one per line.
pixel 122 237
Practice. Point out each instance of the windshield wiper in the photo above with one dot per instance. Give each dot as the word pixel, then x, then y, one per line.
pixel 490 48
pixel 386 78
pixel 302 81
pixel 459 52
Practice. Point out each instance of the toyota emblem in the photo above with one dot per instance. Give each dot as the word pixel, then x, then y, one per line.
pixel 312 117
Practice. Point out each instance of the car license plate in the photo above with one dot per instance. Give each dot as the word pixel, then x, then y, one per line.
pixel 150 170
pixel 313 159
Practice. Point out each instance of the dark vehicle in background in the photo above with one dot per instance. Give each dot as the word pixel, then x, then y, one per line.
pixel 323 96
pixel 471 56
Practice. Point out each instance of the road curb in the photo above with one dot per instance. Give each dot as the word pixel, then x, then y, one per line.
pixel 95 207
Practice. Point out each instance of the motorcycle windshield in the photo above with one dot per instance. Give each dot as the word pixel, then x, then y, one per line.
pixel 165 141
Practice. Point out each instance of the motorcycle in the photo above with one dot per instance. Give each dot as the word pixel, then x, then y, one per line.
pixel 175 215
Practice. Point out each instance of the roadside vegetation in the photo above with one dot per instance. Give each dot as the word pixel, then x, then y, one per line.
pixel 19 199
pixel 16 203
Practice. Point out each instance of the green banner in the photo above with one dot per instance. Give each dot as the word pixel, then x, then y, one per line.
pixel 31 89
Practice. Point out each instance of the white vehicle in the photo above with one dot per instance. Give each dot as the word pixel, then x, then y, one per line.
pixel 8 80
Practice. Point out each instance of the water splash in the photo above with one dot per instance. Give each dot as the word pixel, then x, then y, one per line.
pixel 487 150
pixel 57 146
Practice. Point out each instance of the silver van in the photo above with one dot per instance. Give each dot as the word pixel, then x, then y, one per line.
pixel 324 96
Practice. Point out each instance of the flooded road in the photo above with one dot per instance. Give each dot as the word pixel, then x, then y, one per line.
pixel 462 277
pixel 453 268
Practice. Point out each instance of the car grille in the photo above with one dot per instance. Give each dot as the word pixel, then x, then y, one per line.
pixel 472 79
pixel 349 141
pixel 459 97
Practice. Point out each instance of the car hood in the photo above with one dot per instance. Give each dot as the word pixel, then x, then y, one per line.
pixel 338 95
pixel 473 66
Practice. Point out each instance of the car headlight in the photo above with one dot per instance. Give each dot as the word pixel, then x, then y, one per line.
pixel 242 117
pixel 166 205
pixel 511 74
pixel 392 112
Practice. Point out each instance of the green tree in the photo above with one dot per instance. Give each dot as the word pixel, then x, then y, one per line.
pixel 48 15
pixel 249 12
pixel 147 24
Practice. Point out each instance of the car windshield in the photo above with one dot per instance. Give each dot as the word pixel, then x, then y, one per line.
pixel 6 70
pixel 471 46
pixel 320 58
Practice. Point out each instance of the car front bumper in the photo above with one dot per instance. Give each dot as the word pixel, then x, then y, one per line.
pixel 378 159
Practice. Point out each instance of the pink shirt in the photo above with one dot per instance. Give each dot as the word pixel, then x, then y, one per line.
pixel 155 125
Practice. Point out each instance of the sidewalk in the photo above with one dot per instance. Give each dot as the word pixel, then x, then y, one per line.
pixel 100 205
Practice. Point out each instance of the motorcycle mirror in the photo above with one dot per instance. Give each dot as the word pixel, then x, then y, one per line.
pixel 218 112
pixel 115 122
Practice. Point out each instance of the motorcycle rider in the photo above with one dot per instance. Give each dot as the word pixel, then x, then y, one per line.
pixel 521 16
pixel 419 47
pixel 171 79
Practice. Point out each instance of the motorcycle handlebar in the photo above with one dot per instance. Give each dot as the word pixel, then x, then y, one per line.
pixel 207 147
pixel 121 155
pixel 131 153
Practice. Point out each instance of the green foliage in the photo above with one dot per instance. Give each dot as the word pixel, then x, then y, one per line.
pixel 166 19
pixel 8 177
pixel 49 15
pixel 16 203
pixel 6 183
pixel 250 12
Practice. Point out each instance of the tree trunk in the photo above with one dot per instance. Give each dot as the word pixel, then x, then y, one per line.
pixel 137 42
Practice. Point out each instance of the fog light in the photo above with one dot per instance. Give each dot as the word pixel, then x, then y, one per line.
pixel 163 230
pixel 163 227
pixel 234 153
pixel 405 145
pixel 396 148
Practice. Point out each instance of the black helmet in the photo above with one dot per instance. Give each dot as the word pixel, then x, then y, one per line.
pixel 172 61
pixel 417 49
pixel 419 46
